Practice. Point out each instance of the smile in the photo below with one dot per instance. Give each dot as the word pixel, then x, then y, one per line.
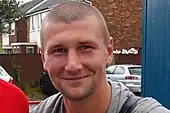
pixel 75 78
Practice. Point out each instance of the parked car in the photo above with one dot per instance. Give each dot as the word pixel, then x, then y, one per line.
pixel 46 85
pixel 128 74
pixel 5 76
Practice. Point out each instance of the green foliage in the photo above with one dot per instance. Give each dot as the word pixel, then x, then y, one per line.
pixel 16 74
pixel 30 88
pixel 33 91
pixel 9 11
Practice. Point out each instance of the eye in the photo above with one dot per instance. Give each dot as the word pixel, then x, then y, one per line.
pixel 60 50
pixel 84 47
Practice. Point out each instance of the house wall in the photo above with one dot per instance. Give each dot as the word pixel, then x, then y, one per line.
pixel 21 30
pixel 5 39
pixel 123 18
pixel 19 34
pixel 8 39
pixel 12 39
pixel 34 29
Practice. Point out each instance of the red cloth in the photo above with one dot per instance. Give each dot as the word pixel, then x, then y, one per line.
pixel 12 99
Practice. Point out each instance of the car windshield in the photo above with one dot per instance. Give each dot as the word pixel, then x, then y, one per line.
pixel 1 71
pixel 135 70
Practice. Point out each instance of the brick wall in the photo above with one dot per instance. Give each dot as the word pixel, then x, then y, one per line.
pixel 21 32
pixel 124 20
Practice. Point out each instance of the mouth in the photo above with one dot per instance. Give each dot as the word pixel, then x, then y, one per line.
pixel 75 78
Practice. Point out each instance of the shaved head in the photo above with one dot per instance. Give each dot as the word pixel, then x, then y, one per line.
pixel 74 11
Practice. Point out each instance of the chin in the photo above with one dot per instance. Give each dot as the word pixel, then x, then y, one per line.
pixel 76 94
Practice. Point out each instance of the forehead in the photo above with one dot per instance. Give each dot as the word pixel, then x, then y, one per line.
pixel 61 31
pixel 88 21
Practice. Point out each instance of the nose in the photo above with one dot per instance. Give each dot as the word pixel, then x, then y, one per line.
pixel 73 62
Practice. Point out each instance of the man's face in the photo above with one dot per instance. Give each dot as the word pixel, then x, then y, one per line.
pixel 75 55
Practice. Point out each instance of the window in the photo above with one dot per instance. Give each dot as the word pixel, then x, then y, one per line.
pixel 1 72
pixel 6 28
pixel 135 70
pixel 119 70
pixel 110 69
pixel 9 28
pixel 41 18
pixel 7 51
pixel 33 23
pixel 43 15
pixel 38 21
pixel 16 50
pixel 29 50
pixel 13 28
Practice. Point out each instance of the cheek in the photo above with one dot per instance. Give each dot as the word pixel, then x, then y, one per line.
pixel 54 65
pixel 95 62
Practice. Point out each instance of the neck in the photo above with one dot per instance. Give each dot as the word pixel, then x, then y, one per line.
pixel 98 102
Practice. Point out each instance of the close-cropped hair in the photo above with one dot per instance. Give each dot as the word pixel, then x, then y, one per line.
pixel 68 12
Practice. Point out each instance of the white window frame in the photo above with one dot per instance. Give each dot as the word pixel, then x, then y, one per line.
pixel 12 28
pixel 6 25
pixel 32 23
pixel 29 47
pixel 39 21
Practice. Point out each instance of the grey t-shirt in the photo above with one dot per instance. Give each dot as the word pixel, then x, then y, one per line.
pixel 120 93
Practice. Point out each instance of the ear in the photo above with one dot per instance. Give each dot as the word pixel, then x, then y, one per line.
pixel 109 51
pixel 43 58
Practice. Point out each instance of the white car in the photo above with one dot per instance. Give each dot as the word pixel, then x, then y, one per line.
pixel 5 76
pixel 128 74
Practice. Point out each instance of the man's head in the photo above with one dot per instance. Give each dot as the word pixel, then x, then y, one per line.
pixel 75 11
pixel 75 49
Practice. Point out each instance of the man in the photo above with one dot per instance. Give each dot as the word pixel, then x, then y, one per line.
pixel 12 99
pixel 75 51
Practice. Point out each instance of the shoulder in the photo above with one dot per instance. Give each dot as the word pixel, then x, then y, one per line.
pixel 7 89
pixel 149 105
pixel 11 95
pixel 48 105
pixel 145 105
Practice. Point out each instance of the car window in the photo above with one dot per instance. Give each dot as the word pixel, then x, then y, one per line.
pixel 1 72
pixel 135 70
pixel 119 70
pixel 110 69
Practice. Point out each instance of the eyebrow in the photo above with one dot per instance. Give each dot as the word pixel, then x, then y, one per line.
pixel 56 45
pixel 86 42
pixel 53 46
